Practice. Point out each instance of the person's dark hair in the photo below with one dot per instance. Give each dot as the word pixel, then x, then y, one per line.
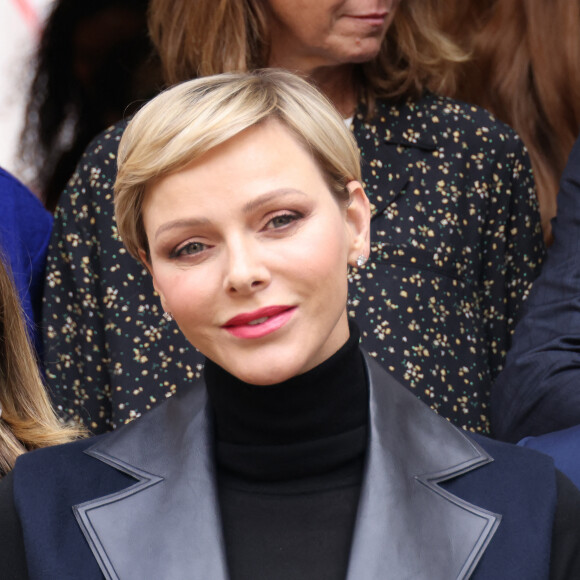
pixel 94 64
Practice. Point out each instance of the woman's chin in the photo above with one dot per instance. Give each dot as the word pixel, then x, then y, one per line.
pixel 263 377
pixel 263 373
pixel 361 51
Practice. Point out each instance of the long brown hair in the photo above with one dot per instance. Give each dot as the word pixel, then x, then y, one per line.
pixel 28 420
pixel 525 69
pixel 206 37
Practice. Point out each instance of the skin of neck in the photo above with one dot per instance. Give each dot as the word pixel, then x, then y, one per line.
pixel 336 82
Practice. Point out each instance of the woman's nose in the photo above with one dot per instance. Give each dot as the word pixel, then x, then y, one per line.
pixel 246 270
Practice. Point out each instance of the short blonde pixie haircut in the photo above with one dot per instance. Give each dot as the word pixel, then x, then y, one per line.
pixel 190 119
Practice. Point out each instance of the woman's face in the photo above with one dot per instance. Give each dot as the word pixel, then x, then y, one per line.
pixel 307 34
pixel 249 252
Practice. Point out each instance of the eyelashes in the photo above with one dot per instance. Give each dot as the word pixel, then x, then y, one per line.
pixel 282 220
pixel 188 249
pixel 280 223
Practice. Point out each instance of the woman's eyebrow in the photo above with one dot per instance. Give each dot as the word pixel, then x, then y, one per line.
pixel 181 223
pixel 249 207
pixel 268 197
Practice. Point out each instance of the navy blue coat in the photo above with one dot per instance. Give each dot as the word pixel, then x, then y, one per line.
pixel 539 388
pixel 141 502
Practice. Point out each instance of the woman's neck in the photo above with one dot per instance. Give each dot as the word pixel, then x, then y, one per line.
pixel 323 402
pixel 336 82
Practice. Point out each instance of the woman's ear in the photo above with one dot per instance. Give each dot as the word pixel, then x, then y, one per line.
pixel 145 260
pixel 358 217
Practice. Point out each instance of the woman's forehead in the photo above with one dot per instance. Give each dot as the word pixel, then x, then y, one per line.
pixel 263 159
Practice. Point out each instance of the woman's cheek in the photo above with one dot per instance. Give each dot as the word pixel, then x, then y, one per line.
pixel 179 290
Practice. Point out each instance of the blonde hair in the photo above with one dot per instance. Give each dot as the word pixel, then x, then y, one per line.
pixel 525 69
pixel 207 37
pixel 184 122
pixel 28 420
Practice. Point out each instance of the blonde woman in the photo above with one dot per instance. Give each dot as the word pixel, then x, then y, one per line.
pixel 298 456
pixel 27 419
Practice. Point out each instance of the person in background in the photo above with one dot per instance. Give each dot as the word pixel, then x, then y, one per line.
pixel 524 68
pixel 94 64
pixel 456 233
pixel 25 228
pixel 298 456
pixel 27 419
pixel 537 392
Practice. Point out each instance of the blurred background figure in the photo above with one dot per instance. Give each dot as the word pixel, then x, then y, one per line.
pixel 27 419
pixel 20 25
pixel 537 391
pixel 524 68
pixel 94 65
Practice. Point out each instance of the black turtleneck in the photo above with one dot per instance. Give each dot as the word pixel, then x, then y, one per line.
pixel 290 459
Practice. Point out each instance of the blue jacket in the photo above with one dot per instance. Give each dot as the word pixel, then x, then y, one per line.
pixel 141 502
pixel 25 228
pixel 538 389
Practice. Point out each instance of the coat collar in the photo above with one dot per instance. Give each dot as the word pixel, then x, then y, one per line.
pixel 393 145
pixel 171 513
pixel 411 450
pixel 402 122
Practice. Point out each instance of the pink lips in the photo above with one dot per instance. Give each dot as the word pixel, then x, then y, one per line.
pixel 372 19
pixel 251 325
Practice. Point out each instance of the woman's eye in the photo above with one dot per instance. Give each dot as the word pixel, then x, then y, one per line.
pixel 188 249
pixel 282 220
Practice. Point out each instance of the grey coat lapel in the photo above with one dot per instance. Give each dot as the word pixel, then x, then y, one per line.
pixel 408 527
pixel 167 525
